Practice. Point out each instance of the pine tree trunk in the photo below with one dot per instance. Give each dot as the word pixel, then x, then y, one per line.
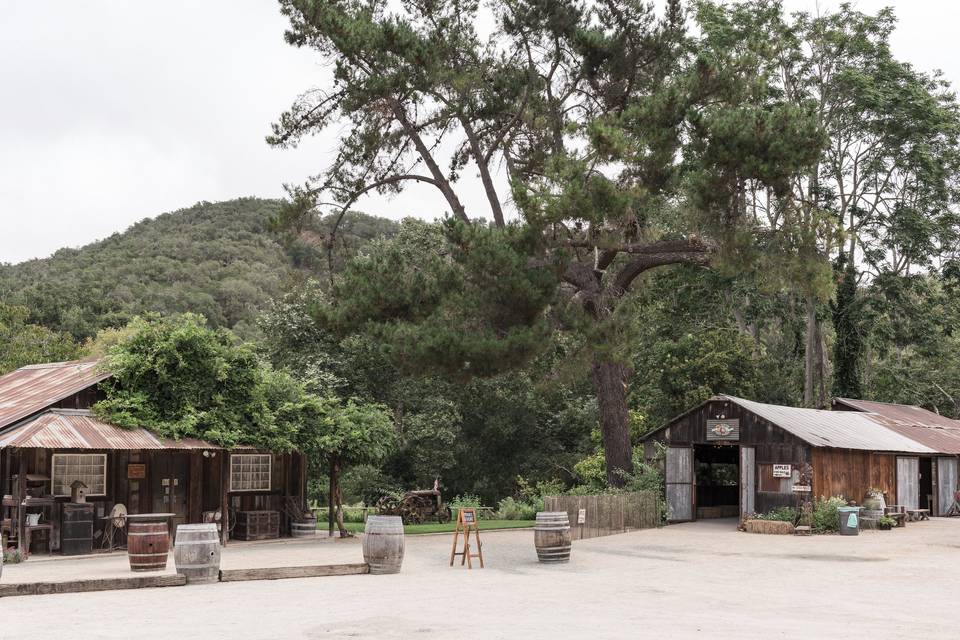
pixel 609 380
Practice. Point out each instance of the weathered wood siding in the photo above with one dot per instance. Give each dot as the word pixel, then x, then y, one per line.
pixel 946 484
pixel 908 482
pixel 748 480
pixel 839 472
pixel 679 481
pixel 607 514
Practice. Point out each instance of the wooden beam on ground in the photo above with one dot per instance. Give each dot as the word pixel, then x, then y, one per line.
pixel 277 573
pixel 79 586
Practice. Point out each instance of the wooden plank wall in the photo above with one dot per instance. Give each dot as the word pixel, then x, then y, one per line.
pixel 851 474
pixel 607 514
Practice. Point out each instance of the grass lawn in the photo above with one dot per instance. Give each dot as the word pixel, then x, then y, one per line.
pixel 433 527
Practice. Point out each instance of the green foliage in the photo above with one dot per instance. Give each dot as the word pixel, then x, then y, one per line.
pixel 510 509
pixel 22 343
pixel 886 521
pixel 826 516
pixel 213 259
pixel 848 322
pixel 179 378
pixel 780 514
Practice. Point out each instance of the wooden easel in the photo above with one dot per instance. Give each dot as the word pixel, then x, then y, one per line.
pixel 467 522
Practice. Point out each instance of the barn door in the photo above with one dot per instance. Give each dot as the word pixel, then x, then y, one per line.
pixel 946 484
pixel 679 479
pixel 748 481
pixel 908 482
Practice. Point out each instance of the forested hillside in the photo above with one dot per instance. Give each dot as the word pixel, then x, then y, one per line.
pixel 215 259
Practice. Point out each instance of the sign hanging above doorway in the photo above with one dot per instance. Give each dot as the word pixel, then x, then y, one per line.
pixel 723 429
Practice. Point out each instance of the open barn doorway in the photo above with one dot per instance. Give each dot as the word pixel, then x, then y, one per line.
pixel 926 484
pixel 717 474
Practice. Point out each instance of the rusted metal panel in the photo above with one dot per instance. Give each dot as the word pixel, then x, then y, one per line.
pixel 31 389
pixel 931 429
pixel 79 429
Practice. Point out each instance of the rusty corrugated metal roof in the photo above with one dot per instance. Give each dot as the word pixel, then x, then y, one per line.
pixel 839 429
pixel 30 389
pixel 926 427
pixel 79 429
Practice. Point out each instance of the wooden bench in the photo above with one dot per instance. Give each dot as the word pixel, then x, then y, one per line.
pixel 916 515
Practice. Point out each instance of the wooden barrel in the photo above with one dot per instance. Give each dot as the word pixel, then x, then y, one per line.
pixel 551 536
pixel 76 529
pixel 383 544
pixel 305 529
pixel 147 546
pixel 196 553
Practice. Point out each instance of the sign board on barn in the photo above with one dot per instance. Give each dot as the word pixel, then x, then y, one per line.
pixel 582 516
pixel 723 429
pixel 782 471
pixel 136 471
pixel 801 488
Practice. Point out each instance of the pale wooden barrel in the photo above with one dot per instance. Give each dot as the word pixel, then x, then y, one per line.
pixel 306 528
pixel 196 553
pixel 383 544
pixel 551 536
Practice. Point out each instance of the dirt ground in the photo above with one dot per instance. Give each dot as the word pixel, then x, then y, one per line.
pixel 701 580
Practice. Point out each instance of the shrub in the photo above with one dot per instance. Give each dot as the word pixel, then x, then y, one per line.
pixel 509 509
pixel 825 514
pixel 780 514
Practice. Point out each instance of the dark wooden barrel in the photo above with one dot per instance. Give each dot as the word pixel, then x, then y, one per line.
pixel 383 544
pixel 148 544
pixel 196 553
pixel 76 529
pixel 306 528
pixel 551 536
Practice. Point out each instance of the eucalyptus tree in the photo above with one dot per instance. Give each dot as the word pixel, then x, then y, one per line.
pixel 883 190
pixel 608 143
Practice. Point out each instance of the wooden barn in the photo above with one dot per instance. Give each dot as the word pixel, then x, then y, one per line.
pixel 935 476
pixel 733 457
pixel 49 440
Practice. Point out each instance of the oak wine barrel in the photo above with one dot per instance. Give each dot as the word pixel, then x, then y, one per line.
pixel 551 536
pixel 148 544
pixel 306 528
pixel 196 553
pixel 383 544
pixel 76 528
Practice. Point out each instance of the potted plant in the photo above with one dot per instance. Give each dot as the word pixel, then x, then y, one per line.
pixel 886 523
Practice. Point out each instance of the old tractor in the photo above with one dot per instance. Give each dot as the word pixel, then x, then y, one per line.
pixel 416 507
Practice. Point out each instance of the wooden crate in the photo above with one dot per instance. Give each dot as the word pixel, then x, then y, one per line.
pixel 257 525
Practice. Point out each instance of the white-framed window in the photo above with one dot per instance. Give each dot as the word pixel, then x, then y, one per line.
pixel 88 468
pixel 250 471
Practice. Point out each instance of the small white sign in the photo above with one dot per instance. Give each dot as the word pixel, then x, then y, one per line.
pixel 781 471
pixel 581 516
pixel 801 488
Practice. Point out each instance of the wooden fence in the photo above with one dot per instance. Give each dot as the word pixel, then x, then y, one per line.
pixel 607 514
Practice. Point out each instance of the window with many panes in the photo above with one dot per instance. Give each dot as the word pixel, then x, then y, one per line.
pixel 250 472
pixel 88 468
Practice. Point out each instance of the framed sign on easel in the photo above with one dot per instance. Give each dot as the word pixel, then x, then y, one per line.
pixel 467 522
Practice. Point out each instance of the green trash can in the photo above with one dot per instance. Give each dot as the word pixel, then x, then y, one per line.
pixel 849 521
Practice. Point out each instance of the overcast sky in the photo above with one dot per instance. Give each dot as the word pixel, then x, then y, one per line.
pixel 111 112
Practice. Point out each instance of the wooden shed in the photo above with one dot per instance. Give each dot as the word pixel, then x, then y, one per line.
pixel 924 481
pixel 734 457
pixel 49 440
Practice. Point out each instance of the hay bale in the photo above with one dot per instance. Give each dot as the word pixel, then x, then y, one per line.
pixel 774 527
